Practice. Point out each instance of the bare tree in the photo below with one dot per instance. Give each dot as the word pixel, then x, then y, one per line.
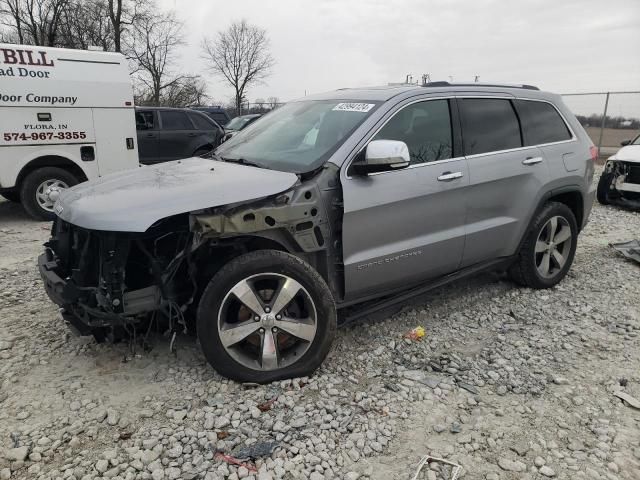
pixel 11 15
pixel 123 14
pixel 35 22
pixel 154 40
pixel 273 102
pixel 240 55
pixel 86 23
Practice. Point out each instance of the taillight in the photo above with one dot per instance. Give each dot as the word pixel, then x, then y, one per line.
pixel 594 152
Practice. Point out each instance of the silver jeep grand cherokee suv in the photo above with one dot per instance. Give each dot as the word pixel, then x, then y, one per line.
pixel 354 197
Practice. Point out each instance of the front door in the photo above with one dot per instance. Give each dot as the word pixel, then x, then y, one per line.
pixel 405 226
pixel 506 178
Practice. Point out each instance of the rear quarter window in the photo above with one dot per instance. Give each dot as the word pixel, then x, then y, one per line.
pixel 202 122
pixel 489 125
pixel 541 123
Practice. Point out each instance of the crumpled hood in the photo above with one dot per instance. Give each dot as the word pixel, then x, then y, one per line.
pixel 133 200
pixel 630 153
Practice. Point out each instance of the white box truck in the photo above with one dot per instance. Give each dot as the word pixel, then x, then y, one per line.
pixel 66 116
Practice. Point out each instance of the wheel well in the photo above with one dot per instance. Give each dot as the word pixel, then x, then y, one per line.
pixel 574 201
pixel 202 147
pixel 51 161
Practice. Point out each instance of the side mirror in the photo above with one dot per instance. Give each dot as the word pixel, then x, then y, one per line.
pixel 624 143
pixel 383 156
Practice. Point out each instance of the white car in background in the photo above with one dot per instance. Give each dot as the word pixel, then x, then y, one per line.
pixel 620 181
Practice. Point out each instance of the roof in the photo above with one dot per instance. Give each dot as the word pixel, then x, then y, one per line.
pixel 384 93
pixel 144 107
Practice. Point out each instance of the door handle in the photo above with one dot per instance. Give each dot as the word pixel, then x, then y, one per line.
pixel 532 160
pixel 448 176
pixel 150 135
pixel 191 134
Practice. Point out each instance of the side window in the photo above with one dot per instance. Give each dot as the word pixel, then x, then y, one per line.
pixel 426 129
pixel 175 120
pixel 489 125
pixel 541 123
pixel 144 121
pixel 202 122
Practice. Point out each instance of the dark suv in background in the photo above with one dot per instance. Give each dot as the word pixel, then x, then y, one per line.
pixel 166 134
pixel 217 114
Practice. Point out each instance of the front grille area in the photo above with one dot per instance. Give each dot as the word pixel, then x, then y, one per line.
pixel 634 174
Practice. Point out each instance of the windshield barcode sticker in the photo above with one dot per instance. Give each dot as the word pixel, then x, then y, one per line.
pixel 354 107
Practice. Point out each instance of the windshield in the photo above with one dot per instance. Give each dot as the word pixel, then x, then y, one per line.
pixel 636 141
pixel 238 122
pixel 297 137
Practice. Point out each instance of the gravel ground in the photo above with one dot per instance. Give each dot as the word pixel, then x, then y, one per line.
pixel 510 383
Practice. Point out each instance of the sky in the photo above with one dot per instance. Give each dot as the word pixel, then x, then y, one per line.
pixel 559 45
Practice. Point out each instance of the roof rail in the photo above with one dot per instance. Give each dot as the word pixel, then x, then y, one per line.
pixel 448 84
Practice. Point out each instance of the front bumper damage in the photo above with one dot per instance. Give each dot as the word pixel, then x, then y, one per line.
pixel 106 280
pixel 624 183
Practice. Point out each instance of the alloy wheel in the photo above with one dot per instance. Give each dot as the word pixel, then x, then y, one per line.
pixel 267 321
pixel 45 190
pixel 553 246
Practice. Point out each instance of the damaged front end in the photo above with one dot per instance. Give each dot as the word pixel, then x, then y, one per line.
pixel 112 284
pixel 620 184
pixel 114 280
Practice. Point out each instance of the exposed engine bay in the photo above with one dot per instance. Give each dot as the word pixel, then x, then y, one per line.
pixel 112 284
pixel 621 183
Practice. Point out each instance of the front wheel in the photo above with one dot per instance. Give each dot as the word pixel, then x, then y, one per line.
pixel 40 190
pixel 604 187
pixel 548 249
pixel 266 315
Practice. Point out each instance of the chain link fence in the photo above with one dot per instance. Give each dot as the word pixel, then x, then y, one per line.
pixel 608 117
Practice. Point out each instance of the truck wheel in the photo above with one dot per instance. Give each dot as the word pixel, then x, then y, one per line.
pixel 549 247
pixel 40 186
pixel 11 196
pixel 604 188
pixel 266 315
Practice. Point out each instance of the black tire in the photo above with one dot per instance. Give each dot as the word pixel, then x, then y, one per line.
pixel 524 271
pixel 241 268
pixel 604 187
pixel 33 181
pixel 11 196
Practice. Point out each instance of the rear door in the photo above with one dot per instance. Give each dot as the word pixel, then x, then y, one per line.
pixel 209 132
pixel 404 226
pixel 506 177
pixel 147 129
pixel 177 137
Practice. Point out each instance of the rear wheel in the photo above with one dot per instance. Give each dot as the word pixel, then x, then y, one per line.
pixel 265 316
pixel 549 248
pixel 40 190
